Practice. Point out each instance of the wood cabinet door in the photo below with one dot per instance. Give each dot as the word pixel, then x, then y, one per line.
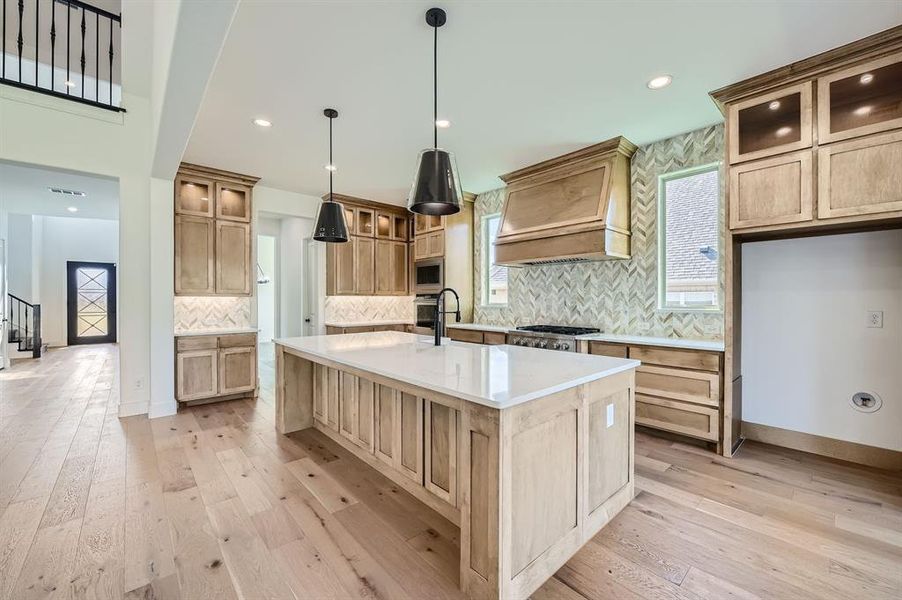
pixel 347 406
pixel 366 422
pixel 608 444
pixel 421 247
pixel 365 222
pixel 420 223
pixel 194 196
pixel 771 124
pixel 384 225
pixel 861 100
pixel 399 268
pixel 384 267
pixel 320 393
pixel 194 255
pixel 773 191
pixel 340 275
pixel 440 450
pixel 436 243
pixel 196 374
pixel 237 370
pixel 860 177
pixel 409 429
pixel 233 258
pixel 399 228
pixel 233 202
pixel 333 393
pixel 385 440
pixel 364 266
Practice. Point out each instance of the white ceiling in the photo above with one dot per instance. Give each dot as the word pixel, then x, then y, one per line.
pixel 23 190
pixel 520 82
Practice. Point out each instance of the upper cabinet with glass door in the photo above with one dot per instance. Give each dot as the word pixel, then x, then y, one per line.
pixel 771 124
pixel 860 100
pixel 233 202
pixel 194 196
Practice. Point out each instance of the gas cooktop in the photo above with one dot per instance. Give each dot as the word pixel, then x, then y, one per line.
pixel 559 329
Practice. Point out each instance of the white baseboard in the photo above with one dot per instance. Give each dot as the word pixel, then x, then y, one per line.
pixel 163 409
pixel 131 409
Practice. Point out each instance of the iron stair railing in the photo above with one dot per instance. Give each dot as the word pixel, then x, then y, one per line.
pixel 40 43
pixel 25 326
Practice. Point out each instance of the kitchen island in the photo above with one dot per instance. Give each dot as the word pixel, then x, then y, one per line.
pixel 529 451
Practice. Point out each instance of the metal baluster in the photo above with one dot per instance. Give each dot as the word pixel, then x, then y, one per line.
pixel 111 62
pixel 68 42
pixel 26 327
pixel 96 57
pixel 4 39
pixel 83 61
pixel 53 45
pixel 20 40
pixel 37 39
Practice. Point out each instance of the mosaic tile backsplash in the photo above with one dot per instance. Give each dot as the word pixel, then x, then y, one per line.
pixel 194 313
pixel 353 309
pixel 617 296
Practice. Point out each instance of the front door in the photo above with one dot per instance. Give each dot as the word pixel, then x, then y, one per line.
pixel 91 302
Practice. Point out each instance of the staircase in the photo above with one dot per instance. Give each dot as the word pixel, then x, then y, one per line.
pixel 25 326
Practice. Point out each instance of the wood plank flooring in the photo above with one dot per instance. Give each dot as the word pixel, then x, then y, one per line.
pixel 211 503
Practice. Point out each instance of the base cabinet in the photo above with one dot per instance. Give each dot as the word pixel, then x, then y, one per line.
pixel 210 366
pixel 440 448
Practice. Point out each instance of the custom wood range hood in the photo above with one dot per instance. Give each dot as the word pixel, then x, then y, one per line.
pixel 572 208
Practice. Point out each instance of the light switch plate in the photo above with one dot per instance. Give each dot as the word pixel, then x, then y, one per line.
pixel 609 415
pixel 875 319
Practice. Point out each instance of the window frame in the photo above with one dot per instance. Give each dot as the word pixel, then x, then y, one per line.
pixel 485 301
pixel 663 179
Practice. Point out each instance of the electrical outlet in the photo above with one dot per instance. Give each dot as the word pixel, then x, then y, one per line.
pixel 875 318
pixel 139 383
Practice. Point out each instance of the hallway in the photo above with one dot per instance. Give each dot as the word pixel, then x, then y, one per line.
pixel 212 503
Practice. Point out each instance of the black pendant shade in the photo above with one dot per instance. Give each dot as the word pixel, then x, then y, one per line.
pixel 330 222
pixel 436 188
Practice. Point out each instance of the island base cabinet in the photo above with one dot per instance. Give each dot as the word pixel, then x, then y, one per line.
pixel 568 470
pixel 440 451
pixel 326 395
pixel 356 410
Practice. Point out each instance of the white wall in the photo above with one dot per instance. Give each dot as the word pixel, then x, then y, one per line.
pixel 266 294
pixel 65 239
pixel 19 260
pixel 806 347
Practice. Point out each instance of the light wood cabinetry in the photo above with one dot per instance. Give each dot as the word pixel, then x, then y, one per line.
pixel 476 336
pixel 772 191
pixel 440 449
pixel 861 176
pixel 429 245
pixel 326 395
pixel 213 211
pixel 677 390
pixel 334 330
pixel 356 420
pixel 215 366
pixel 770 124
pixel 374 261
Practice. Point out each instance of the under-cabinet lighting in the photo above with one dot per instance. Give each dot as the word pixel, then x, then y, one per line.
pixel 774 105
pixel 784 131
pixel 262 123
pixel 661 81
pixel 866 78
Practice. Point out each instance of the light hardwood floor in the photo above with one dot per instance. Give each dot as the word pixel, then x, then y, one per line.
pixel 211 503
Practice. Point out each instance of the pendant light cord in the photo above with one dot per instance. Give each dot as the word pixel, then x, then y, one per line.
pixel 435 87
pixel 331 164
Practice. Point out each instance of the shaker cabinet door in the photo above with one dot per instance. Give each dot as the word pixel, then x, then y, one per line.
pixel 237 370
pixel 196 374
pixel 771 191
pixel 233 258
pixel 194 256
pixel 440 450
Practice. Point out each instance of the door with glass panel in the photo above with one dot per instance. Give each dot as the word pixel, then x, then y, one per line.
pixel 91 302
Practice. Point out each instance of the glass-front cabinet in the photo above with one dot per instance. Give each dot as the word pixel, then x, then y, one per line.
pixel 771 124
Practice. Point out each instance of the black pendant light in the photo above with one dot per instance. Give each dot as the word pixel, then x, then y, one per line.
pixel 436 186
pixel 330 223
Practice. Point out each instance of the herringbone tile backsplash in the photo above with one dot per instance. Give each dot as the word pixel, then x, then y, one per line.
pixel 356 309
pixel 194 313
pixel 617 296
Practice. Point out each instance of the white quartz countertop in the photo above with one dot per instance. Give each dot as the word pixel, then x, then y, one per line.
pixel 369 323
pixel 495 376
pixel 478 327
pixel 642 340
pixel 194 332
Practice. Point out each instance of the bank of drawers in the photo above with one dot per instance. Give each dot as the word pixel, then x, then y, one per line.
pixel 677 390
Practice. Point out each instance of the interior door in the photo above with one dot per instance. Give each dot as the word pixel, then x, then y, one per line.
pixel 311 286
pixel 91 302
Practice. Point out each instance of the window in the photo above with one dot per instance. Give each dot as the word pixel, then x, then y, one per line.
pixel 688 239
pixel 494 278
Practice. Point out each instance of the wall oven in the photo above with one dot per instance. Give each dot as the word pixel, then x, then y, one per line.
pixel 426 306
pixel 428 276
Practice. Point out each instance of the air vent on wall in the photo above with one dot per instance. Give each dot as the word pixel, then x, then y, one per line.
pixel 66 192
pixel 556 261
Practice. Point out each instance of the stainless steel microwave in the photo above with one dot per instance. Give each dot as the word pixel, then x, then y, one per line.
pixel 428 276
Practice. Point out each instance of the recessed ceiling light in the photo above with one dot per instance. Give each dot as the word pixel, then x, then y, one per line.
pixel 661 81
pixel 863 110
pixel 262 123
pixel 331 167
pixel 443 123
pixel 69 83
pixel 774 105
pixel 866 78
pixel 784 131
pixel 72 209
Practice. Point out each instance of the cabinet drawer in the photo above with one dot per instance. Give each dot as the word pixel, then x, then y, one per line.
pixel 195 342
pixel 361 329
pixel 494 338
pixel 773 191
pixel 677 417
pixel 860 177
pixel 672 357
pixel 679 384
pixel 465 335
pixel 606 349
pixel 234 340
